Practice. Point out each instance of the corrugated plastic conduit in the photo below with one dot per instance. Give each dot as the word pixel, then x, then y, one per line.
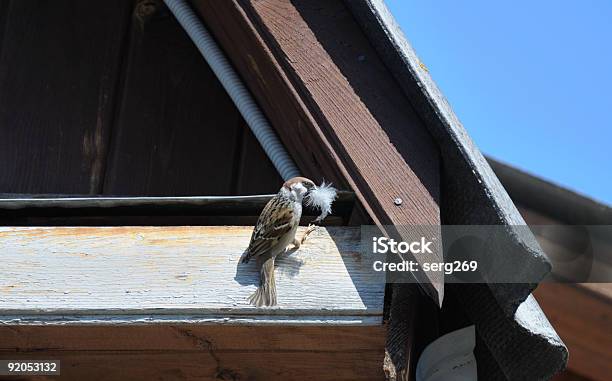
pixel 234 87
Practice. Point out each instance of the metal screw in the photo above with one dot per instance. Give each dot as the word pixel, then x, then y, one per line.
pixel 361 58
pixel 398 201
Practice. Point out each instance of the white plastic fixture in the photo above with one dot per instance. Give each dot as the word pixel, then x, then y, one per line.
pixel 449 358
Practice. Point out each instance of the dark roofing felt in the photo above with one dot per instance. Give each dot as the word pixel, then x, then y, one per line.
pixel 512 330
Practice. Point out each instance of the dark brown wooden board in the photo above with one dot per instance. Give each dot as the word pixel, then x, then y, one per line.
pixel 201 352
pixel 3 7
pixel 583 320
pixel 267 82
pixel 255 172
pixel 302 62
pixel 59 62
pixel 362 110
pixel 176 132
pixel 206 366
pixel 185 337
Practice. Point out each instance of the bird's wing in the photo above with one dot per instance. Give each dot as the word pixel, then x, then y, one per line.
pixel 275 220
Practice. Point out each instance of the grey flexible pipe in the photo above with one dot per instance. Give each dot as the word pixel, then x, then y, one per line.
pixel 235 88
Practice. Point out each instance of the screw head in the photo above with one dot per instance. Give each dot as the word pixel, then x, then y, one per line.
pixel 398 201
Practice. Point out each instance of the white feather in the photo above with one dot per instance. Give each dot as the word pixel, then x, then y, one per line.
pixel 321 197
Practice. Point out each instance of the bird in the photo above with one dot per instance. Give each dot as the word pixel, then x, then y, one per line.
pixel 273 233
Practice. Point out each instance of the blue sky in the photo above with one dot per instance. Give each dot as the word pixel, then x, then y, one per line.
pixel 530 80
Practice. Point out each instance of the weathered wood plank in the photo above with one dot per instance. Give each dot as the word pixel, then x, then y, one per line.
pixel 176 127
pixel 189 337
pixel 186 343
pixel 136 275
pixel 209 364
pixel 58 68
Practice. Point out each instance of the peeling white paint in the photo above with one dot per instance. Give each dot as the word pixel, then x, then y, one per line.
pixel 137 275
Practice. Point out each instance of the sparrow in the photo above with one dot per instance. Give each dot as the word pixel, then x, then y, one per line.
pixel 274 232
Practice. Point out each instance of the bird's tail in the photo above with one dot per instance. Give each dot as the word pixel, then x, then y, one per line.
pixel 266 292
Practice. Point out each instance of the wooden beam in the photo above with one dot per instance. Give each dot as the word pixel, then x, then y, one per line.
pixel 141 303
pixel 400 353
pixel 347 105
pixel 136 275
pixel 24 210
pixel 186 337
pixel 209 352
pixel 334 104
pixel 210 365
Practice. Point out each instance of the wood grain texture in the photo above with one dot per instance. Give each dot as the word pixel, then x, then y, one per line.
pixel 136 275
pixel 268 83
pixel 401 354
pixel 58 67
pixel 322 85
pixel 188 337
pixel 202 351
pixel 347 102
pixel 584 322
pixel 176 130
pixel 361 109
pixel 255 173
pixel 208 364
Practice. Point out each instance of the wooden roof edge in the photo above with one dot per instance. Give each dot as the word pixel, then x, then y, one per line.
pixel 362 141
pixel 550 199
pixel 467 178
pixel 444 125
pixel 471 193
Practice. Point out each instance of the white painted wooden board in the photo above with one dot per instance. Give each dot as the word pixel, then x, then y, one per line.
pixel 122 275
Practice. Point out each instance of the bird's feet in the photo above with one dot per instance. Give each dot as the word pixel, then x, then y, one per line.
pixel 298 242
pixel 311 228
